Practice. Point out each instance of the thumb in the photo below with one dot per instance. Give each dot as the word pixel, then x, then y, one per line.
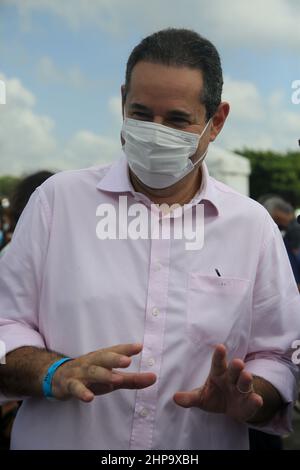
pixel 187 399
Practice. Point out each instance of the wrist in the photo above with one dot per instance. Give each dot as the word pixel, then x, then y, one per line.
pixel 47 382
pixel 272 402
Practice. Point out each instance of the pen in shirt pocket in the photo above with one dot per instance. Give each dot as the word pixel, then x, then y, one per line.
pixel 217 271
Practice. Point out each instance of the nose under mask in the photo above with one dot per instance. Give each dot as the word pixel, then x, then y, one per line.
pixel 159 155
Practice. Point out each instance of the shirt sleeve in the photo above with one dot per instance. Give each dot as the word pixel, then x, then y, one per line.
pixel 275 325
pixel 21 273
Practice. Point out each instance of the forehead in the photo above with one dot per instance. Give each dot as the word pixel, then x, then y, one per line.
pixel 152 83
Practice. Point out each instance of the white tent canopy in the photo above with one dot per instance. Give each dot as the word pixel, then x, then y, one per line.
pixel 229 168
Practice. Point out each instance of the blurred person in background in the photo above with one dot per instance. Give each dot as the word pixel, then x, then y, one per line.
pixel 292 243
pixel 9 220
pixel 283 214
pixel 2 235
pixel 4 223
pixel 19 199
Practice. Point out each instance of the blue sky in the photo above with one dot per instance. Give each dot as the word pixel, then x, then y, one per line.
pixel 63 62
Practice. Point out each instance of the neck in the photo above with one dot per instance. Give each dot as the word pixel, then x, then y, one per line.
pixel 179 193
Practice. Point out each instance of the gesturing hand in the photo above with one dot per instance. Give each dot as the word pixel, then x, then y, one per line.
pixel 94 374
pixel 228 389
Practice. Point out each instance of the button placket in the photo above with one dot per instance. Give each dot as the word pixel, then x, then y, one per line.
pixel 146 399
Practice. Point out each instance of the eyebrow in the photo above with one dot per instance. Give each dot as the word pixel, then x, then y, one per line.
pixel 173 112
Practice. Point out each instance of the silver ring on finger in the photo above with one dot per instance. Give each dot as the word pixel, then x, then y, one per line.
pixel 251 389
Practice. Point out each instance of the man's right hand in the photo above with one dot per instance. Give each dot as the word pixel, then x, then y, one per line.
pixel 95 374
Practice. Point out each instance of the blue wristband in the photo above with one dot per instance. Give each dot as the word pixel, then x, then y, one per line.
pixel 47 381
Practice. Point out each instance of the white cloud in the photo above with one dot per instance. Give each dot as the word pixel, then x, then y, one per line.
pixel 48 71
pixel 18 95
pixel 28 141
pixel 289 120
pixel 258 121
pixel 115 108
pixel 261 23
pixel 86 148
pixel 245 100
pixel 276 99
pixel 25 137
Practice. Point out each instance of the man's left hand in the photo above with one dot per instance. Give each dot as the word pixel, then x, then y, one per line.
pixel 228 389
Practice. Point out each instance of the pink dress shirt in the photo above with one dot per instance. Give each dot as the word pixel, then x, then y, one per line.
pixel 63 288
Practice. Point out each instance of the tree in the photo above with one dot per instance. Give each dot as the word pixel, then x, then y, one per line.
pixel 7 185
pixel 274 173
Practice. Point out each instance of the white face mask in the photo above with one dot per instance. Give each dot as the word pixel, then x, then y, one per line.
pixel 159 155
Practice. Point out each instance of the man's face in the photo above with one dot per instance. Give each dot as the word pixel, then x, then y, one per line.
pixel 170 96
pixel 282 219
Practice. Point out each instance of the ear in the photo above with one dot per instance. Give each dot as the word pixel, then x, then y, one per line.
pixel 219 119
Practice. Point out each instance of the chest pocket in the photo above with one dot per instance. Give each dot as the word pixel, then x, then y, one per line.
pixel 216 307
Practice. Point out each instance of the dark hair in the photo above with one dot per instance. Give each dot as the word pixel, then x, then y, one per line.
pixel 182 48
pixel 276 203
pixel 22 193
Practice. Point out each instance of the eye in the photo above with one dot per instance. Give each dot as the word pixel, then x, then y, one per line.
pixel 141 115
pixel 180 121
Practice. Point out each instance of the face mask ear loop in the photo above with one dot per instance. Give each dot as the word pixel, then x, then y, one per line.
pixel 208 122
pixel 204 154
pixel 200 159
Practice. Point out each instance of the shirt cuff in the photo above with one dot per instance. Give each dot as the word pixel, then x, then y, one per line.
pixel 282 378
pixel 16 335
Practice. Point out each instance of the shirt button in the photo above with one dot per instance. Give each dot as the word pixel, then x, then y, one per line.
pixel 144 412
pixel 155 311
pixel 151 362
pixel 157 267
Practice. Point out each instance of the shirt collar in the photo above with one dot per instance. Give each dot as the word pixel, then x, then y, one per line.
pixel 117 180
pixel 207 191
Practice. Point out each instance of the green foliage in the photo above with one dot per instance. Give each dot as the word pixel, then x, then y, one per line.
pixel 7 185
pixel 274 173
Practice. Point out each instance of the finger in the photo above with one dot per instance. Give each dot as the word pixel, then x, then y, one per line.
pixel 78 390
pixel 130 349
pixel 96 374
pixel 234 370
pixel 218 363
pixel 187 399
pixel 135 380
pixel 109 359
pixel 120 350
pixel 253 404
pixel 245 382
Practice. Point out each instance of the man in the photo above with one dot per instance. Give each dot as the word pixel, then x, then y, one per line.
pixel 292 244
pixel 283 215
pixel 206 335
pixel 281 212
